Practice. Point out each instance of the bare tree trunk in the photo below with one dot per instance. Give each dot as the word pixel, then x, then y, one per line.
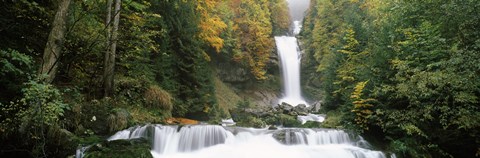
pixel 54 46
pixel 108 25
pixel 109 63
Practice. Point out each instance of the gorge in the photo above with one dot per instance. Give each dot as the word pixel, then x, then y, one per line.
pixel 214 141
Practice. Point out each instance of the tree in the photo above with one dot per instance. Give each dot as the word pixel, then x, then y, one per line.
pixel 54 46
pixel 109 62
pixel 255 30
pixel 211 26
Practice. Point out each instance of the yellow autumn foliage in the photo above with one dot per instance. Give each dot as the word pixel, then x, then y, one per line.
pixel 361 107
pixel 211 25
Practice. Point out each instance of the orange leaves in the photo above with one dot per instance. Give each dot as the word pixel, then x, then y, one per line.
pixel 181 121
pixel 211 25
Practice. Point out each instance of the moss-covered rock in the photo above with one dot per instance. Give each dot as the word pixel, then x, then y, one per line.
pixel 134 148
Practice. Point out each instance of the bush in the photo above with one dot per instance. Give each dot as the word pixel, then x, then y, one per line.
pixel 44 107
pixel 36 120
pixel 157 97
pixel 15 69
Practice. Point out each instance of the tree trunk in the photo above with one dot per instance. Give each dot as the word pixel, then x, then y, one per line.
pixel 54 46
pixel 109 63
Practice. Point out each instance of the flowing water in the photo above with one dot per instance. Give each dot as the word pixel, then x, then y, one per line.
pixel 288 52
pixel 212 141
pixel 290 56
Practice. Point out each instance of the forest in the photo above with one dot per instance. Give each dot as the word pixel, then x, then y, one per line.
pixel 404 74
pixel 404 70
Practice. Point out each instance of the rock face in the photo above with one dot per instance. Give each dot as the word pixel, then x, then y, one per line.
pixel 265 98
pixel 232 73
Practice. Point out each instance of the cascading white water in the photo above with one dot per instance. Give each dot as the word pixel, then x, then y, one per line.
pixel 211 141
pixel 288 52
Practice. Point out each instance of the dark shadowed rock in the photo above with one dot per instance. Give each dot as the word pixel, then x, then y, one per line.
pixel 285 108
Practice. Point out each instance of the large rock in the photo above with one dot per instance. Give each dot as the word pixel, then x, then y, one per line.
pixel 301 109
pixel 285 108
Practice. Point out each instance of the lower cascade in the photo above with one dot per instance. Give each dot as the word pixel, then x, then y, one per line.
pixel 213 141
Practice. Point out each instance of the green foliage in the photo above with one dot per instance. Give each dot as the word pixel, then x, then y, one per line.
pixel 280 16
pixel 164 43
pixel 36 117
pixel 15 69
pixel 254 29
pixel 251 121
pixel 333 120
pixel 283 120
pixel 311 124
pixel 422 93
pixel 120 148
pixel 44 107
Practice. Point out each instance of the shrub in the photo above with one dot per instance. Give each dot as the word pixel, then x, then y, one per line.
pixel 157 97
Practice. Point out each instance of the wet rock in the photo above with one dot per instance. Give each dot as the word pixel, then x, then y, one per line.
pixel 285 108
pixel 272 128
pixel 301 108
pixel 279 135
pixel 121 148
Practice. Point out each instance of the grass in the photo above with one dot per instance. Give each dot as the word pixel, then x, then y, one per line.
pixel 157 97
pixel 226 97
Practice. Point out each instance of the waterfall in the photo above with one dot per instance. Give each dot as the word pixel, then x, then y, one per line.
pixel 212 141
pixel 290 57
pixel 288 52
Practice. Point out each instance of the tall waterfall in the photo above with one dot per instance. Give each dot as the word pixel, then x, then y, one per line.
pixel 289 54
pixel 212 141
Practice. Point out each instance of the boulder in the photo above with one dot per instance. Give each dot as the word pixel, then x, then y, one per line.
pixel 285 108
pixel 301 108
pixel 272 128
